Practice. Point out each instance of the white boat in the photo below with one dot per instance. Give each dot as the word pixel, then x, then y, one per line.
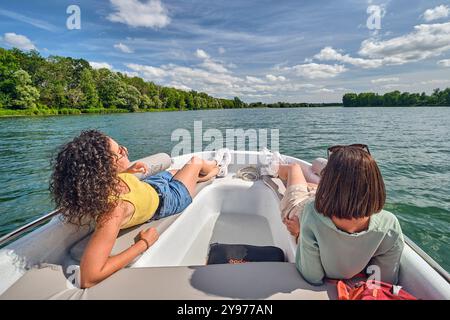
pixel 43 264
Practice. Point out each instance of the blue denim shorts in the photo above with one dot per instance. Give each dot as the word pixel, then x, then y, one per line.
pixel 174 197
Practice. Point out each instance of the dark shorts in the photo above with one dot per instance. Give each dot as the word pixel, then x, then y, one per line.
pixel 174 197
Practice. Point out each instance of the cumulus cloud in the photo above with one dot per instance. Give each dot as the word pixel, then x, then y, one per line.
pixel 214 66
pixel 201 54
pixel 435 82
pixel 100 65
pixel 444 63
pixel 134 13
pixel 395 86
pixel 323 90
pixel 179 86
pixel 122 47
pixel 330 54
pixel 318 71
pixel 18 41
pixel 148 72
pixel 184 75
pixel 251 79
pixel 438 12
pixel 427 40
pixel 210 64
pixel 217 83
pixel 384 80
pixel 273 78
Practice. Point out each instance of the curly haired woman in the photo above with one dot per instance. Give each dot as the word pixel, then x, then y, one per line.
pixel 92 180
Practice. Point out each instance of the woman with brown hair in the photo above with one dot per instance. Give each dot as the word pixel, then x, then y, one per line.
pixel 93 181
pixel 344 229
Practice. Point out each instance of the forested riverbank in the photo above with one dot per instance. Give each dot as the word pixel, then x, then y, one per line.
pixel 31 84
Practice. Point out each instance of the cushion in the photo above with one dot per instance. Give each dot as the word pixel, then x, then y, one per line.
pixel 241 253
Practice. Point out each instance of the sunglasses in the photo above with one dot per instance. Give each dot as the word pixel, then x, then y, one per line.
pixel 123 151
pixel 332 149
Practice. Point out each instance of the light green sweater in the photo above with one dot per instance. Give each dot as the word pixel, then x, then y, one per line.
pixel 326 251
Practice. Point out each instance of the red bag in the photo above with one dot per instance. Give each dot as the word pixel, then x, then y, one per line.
pixel 371 290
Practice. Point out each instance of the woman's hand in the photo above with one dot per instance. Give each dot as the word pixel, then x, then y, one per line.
pixel 138 167
pixel 149 236
pixel 293 226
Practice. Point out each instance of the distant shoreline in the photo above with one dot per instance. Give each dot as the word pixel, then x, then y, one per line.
pixel 29 113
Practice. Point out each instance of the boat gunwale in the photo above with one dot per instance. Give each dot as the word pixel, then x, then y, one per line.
pixel 22 230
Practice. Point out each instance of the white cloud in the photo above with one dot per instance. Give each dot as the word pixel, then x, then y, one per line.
pixel 444 63
pixel 330 54
pixel 384 80
pixel 210 64
pixel 273 78
pixel 122 47
pixel 201 54
pixel 318 71
pixel 323 90
pixel 134 13
pixel 100 65
pixel 18 41
pixel 130 74
pixel 34 22
pixel 217 83
pixel 179 86
pixel 221 50
pixel 438 12
pixel 182 75
pixel 148 72
pixel 251 79
pixel 214 66
pixel 427 40
pixel 435 82
pixel 395 86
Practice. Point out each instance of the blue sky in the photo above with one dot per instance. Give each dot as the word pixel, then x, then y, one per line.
pixel 296 51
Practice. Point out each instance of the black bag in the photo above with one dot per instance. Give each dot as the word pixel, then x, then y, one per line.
pixel 240 253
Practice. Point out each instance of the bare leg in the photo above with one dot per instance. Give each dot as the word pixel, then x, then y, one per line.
pixel 189 174
pixel 292 173
pixel 210 175
pixel 208 166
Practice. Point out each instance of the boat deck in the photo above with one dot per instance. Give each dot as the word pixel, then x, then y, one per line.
pixel 227 211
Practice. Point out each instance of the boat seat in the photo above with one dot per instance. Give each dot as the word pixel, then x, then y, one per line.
pixel 127 237
pixel 43 283
pixel 253 280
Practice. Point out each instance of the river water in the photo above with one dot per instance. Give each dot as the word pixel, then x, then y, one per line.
pixel 411 146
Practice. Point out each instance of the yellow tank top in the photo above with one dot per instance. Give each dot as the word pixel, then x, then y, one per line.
pixel 142 196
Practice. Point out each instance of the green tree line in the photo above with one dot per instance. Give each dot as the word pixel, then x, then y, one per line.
pixel 32 84
pixel 396 98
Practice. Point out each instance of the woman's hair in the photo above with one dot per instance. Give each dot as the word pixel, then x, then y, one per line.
pixel 84 178
pixel 351 186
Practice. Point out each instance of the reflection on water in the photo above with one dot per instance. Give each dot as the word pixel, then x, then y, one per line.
pixel 411 146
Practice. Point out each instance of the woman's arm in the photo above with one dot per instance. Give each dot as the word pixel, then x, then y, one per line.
pixel 389 262
pixel 293 226
pixel 96 264
pixel 137 167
